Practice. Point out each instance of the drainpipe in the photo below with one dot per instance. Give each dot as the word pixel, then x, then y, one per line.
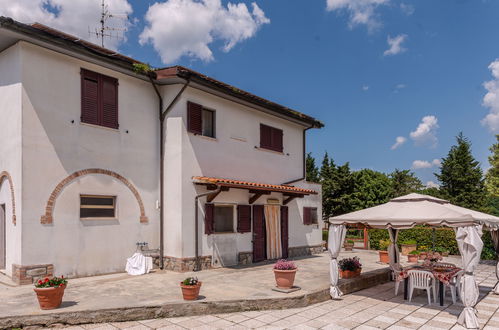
pixel 196 224
pixel 304 173
pixel 162 116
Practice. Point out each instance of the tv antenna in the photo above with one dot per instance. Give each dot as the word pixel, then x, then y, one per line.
pixel 106 31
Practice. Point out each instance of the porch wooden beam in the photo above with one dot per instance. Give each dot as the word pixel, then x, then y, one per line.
pixel 211 197
pixel 254 198
pixel 288 200
pixel 260 192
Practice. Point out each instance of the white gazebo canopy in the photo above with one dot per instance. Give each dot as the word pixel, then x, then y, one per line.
pixel 416 209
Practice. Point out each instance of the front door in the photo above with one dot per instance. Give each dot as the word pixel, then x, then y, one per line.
pixel 2 236
pixel 259 249
pixel 284 231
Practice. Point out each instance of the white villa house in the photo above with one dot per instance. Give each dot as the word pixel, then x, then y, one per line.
pixel 99 153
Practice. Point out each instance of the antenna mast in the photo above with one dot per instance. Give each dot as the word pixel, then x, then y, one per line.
pixel 106 31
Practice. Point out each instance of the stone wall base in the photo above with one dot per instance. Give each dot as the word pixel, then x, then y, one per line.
pixel 299 251
pixel 28 274
pixel 183 264
pixel 245 258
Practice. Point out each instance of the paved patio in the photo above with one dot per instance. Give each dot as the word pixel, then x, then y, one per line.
pixel 373 308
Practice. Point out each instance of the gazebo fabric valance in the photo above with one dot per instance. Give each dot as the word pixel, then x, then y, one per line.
pixel 416 209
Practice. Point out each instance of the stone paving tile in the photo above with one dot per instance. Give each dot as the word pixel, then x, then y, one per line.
pixel 221 324
pixel 156 323
pixel 99 326
pixel 378 324
pixel 124 325
pixel 252 323
pixel 171 327
pixel 236 318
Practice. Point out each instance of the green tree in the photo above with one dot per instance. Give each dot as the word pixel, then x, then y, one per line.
pixel 404 182
pixel 312 172
pixel 461 178
pixel 371 188
pixel 492 176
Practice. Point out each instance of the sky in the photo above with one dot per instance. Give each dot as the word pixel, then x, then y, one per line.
pixel 394 81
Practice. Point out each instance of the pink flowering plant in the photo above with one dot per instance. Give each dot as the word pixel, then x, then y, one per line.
pixel 351 264
pixel 432 257
pixel 283 264
pixel 53 282
pixel 190 281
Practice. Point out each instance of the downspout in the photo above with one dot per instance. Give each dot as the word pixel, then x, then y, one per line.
pixel 196 225
pixel 304 173
pixel 162 116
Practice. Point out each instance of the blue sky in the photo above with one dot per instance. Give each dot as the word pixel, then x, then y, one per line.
pixel 336 66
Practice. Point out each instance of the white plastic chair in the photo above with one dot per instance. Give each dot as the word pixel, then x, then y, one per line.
pixel 455 285
pixel 444 265
pixel 421 279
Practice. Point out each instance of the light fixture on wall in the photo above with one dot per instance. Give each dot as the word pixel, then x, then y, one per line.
pixel 273 201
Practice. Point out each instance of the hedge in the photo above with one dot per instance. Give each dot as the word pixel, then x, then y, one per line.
pixel 444 237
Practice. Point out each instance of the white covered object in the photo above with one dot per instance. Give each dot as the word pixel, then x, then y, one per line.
pixel 335 242
pixel 138 264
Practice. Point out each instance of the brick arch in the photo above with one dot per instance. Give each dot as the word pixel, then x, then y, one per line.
pixel 6 175
pixel 47 218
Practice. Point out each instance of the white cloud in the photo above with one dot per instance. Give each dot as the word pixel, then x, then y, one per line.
pixel 419 164
pixel 395 44
pixel 71 16
pixel 425 133
pixel 179 28
pixel 399 141
pixel 361 12
pixel 491 99
pixel 407 9
pixel 365 88
pixel 400 86
pixel 431 184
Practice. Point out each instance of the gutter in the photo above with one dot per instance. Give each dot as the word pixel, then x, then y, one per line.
pixel 304 173
pixel 162 117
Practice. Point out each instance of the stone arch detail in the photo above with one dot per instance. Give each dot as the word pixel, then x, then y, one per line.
pixel 6 175
pixel 47 218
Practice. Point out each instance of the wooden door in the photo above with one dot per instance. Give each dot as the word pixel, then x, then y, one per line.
pixel 284 231
pixel 2 237
pixel 259 250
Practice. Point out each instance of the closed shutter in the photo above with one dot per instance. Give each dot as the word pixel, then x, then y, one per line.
pixel 243 218
pixel 307 215
pixel 109 102
pixel 209 218
pixel 284 231
pixel 277 139
pixel 265 136
pixel 89 97
pixel 194 118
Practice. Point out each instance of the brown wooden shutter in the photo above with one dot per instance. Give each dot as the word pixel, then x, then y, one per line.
pixel 194 118
pixel 209 218
pixel 307 215
pixel 284 231
pixel 243 218
pixel 265 136
pixel 277 139
pixel 109 102
pixel 89 97
pixel 259 252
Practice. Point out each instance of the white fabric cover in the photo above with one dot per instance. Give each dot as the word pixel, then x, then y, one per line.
pixel 495 239
pixel 393 249
pixel 414 209
pixel 470 246
pixel 335 242
pixel 138 264
pixel 273 231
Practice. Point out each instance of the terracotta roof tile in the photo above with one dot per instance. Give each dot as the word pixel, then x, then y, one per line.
pixel 252 185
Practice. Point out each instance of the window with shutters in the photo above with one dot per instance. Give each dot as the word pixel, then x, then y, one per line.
pixel 200 120
pixel 243 218
pixel 99 99
pixel 271 138
pixel 310 216
pixel 223 217
pixel 94 207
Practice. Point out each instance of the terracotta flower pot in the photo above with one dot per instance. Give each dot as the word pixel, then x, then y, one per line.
pixel 406 248
pixel 190 292
pixel 445 254
pixel 50 298
pixel 423 255
pixel 412 258
pixel 350 273
pixel 348 246
pixel 383 257
pixel 285 278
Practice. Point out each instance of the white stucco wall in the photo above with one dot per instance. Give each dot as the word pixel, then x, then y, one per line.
pixel 54 147
pixel 10 147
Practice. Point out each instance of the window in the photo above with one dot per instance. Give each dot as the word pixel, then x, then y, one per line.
pixel 310 216
pixel 271 138
pixel 97 207
pixel 99 99
pixel 200 120
pixel 224 219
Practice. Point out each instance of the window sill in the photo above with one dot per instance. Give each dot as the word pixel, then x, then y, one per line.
pixel 224 233
pixel 97 219
pixel 209 138
pixel 271 151
pixel 103 127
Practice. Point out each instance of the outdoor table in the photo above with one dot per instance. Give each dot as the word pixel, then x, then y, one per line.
pixel 443 275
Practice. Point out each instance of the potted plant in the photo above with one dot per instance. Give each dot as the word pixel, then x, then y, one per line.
pixel 348 245
pixel 443 251
pixel 350 267
pixel 432 258
pixel 284 272
pixel 423 252
pixel 50 292
pixel 408 246
pixel 383 251
pixel 190 288
pixel 413 256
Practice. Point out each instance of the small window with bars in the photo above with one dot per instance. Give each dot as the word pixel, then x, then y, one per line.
pixel 97 207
